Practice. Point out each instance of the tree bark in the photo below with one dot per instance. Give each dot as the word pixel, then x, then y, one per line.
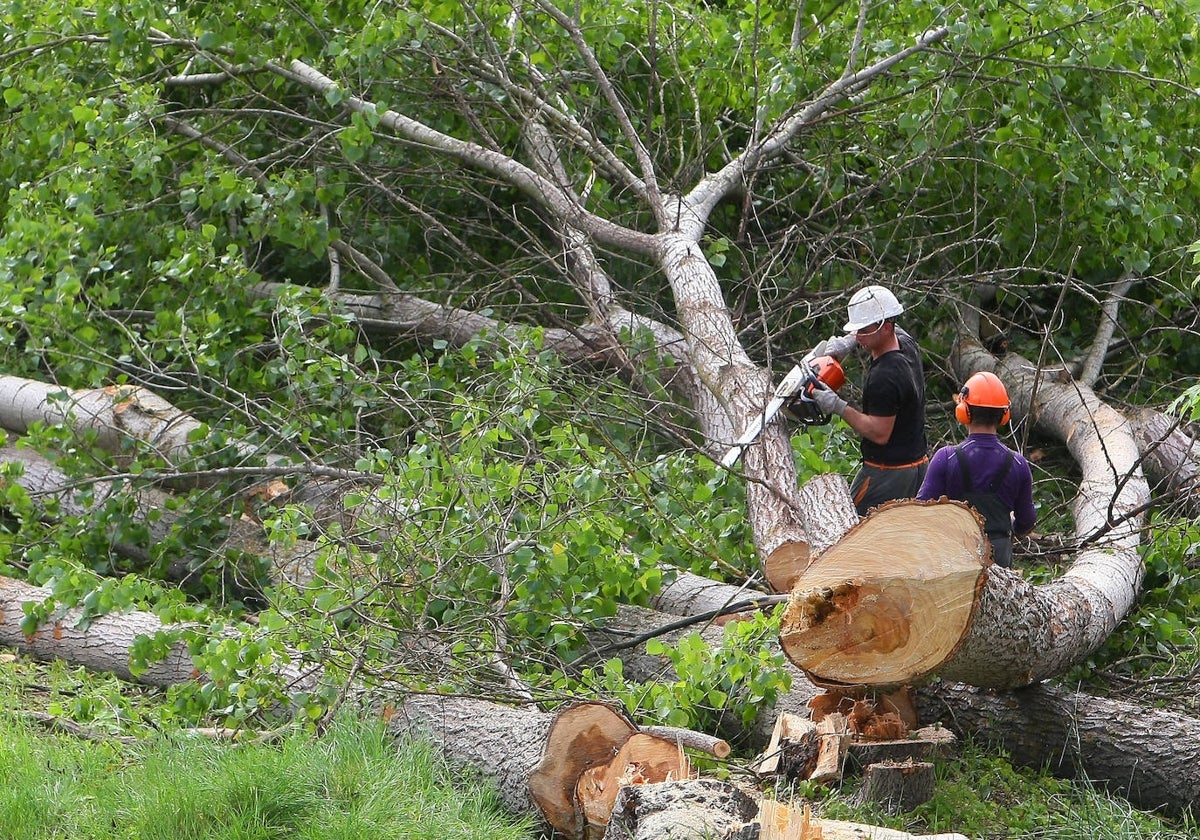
pixel 897 786
pixel 692 594
pixel 1170 455
pixel 1149 756
pixel 502 744
pixel 105 643
pixel 116 414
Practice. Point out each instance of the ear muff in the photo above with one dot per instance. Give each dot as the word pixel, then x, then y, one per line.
pixel 962 411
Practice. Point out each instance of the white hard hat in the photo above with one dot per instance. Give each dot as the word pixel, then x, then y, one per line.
pixel 870 305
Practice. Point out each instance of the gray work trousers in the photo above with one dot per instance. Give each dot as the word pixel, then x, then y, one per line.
pixel 876 484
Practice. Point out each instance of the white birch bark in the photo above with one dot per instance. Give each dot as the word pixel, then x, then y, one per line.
pixel 105 642
pixel 116 414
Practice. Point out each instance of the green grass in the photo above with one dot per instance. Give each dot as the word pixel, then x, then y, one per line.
pixel 979 794
pixel 355 783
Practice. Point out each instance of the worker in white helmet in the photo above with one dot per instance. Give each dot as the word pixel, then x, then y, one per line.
pixel 891 422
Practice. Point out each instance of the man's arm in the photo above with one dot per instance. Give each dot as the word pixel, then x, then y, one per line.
pixel 1025 514
pixel 873 427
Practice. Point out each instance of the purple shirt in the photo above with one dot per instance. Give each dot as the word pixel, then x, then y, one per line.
pixel 986 456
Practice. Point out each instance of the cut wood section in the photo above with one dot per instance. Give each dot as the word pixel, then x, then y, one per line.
pixel 792 751
pixel 890 602
pixel 784 566
pixel 833 739
pixel 777 821
pixel 872 714
pixel 897 787
pixel 826 519
pixel 581 738
pixel 642 759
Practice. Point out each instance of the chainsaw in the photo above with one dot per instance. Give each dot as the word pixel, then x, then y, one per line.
pixel 793 396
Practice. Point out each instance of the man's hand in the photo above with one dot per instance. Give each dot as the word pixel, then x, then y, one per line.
pixel 838 346
pixel 828 400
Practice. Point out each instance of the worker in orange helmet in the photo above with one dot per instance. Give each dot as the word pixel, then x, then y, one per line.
pixel 982 471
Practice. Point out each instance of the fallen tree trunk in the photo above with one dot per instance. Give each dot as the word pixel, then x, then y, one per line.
pixel 1149 756
pixel 159 514
pixel 106 643
pixel 127 417
pixel 1170 455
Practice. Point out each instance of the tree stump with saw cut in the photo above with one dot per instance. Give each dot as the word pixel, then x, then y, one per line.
pixel 897 786
pixel 924 744
pixel 892 600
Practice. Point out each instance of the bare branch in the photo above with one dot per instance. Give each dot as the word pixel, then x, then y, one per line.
pixel 495 163
pixel 1088 370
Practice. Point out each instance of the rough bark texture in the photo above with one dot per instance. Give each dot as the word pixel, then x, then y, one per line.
pixel 502 744
pixel 1171 455
pixel 694 809
pixel 1149 756
pixel 101 644
pixel 897 787
pixel 692 594
pixel 115 414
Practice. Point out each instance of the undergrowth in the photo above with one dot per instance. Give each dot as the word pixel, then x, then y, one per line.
pixel 356 783
pixel 353 783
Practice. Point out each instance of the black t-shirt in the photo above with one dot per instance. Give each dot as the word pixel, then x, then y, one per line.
pixel 895 385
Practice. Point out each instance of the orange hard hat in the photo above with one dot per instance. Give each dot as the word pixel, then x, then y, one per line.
pixel 982 390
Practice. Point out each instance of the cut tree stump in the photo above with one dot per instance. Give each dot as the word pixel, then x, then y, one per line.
pixel 892 600
pixel 897 786
pixel 684 810
pixel 922 744
pixel 642 759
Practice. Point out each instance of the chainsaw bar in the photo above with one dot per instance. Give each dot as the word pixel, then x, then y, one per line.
pixel 792 384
